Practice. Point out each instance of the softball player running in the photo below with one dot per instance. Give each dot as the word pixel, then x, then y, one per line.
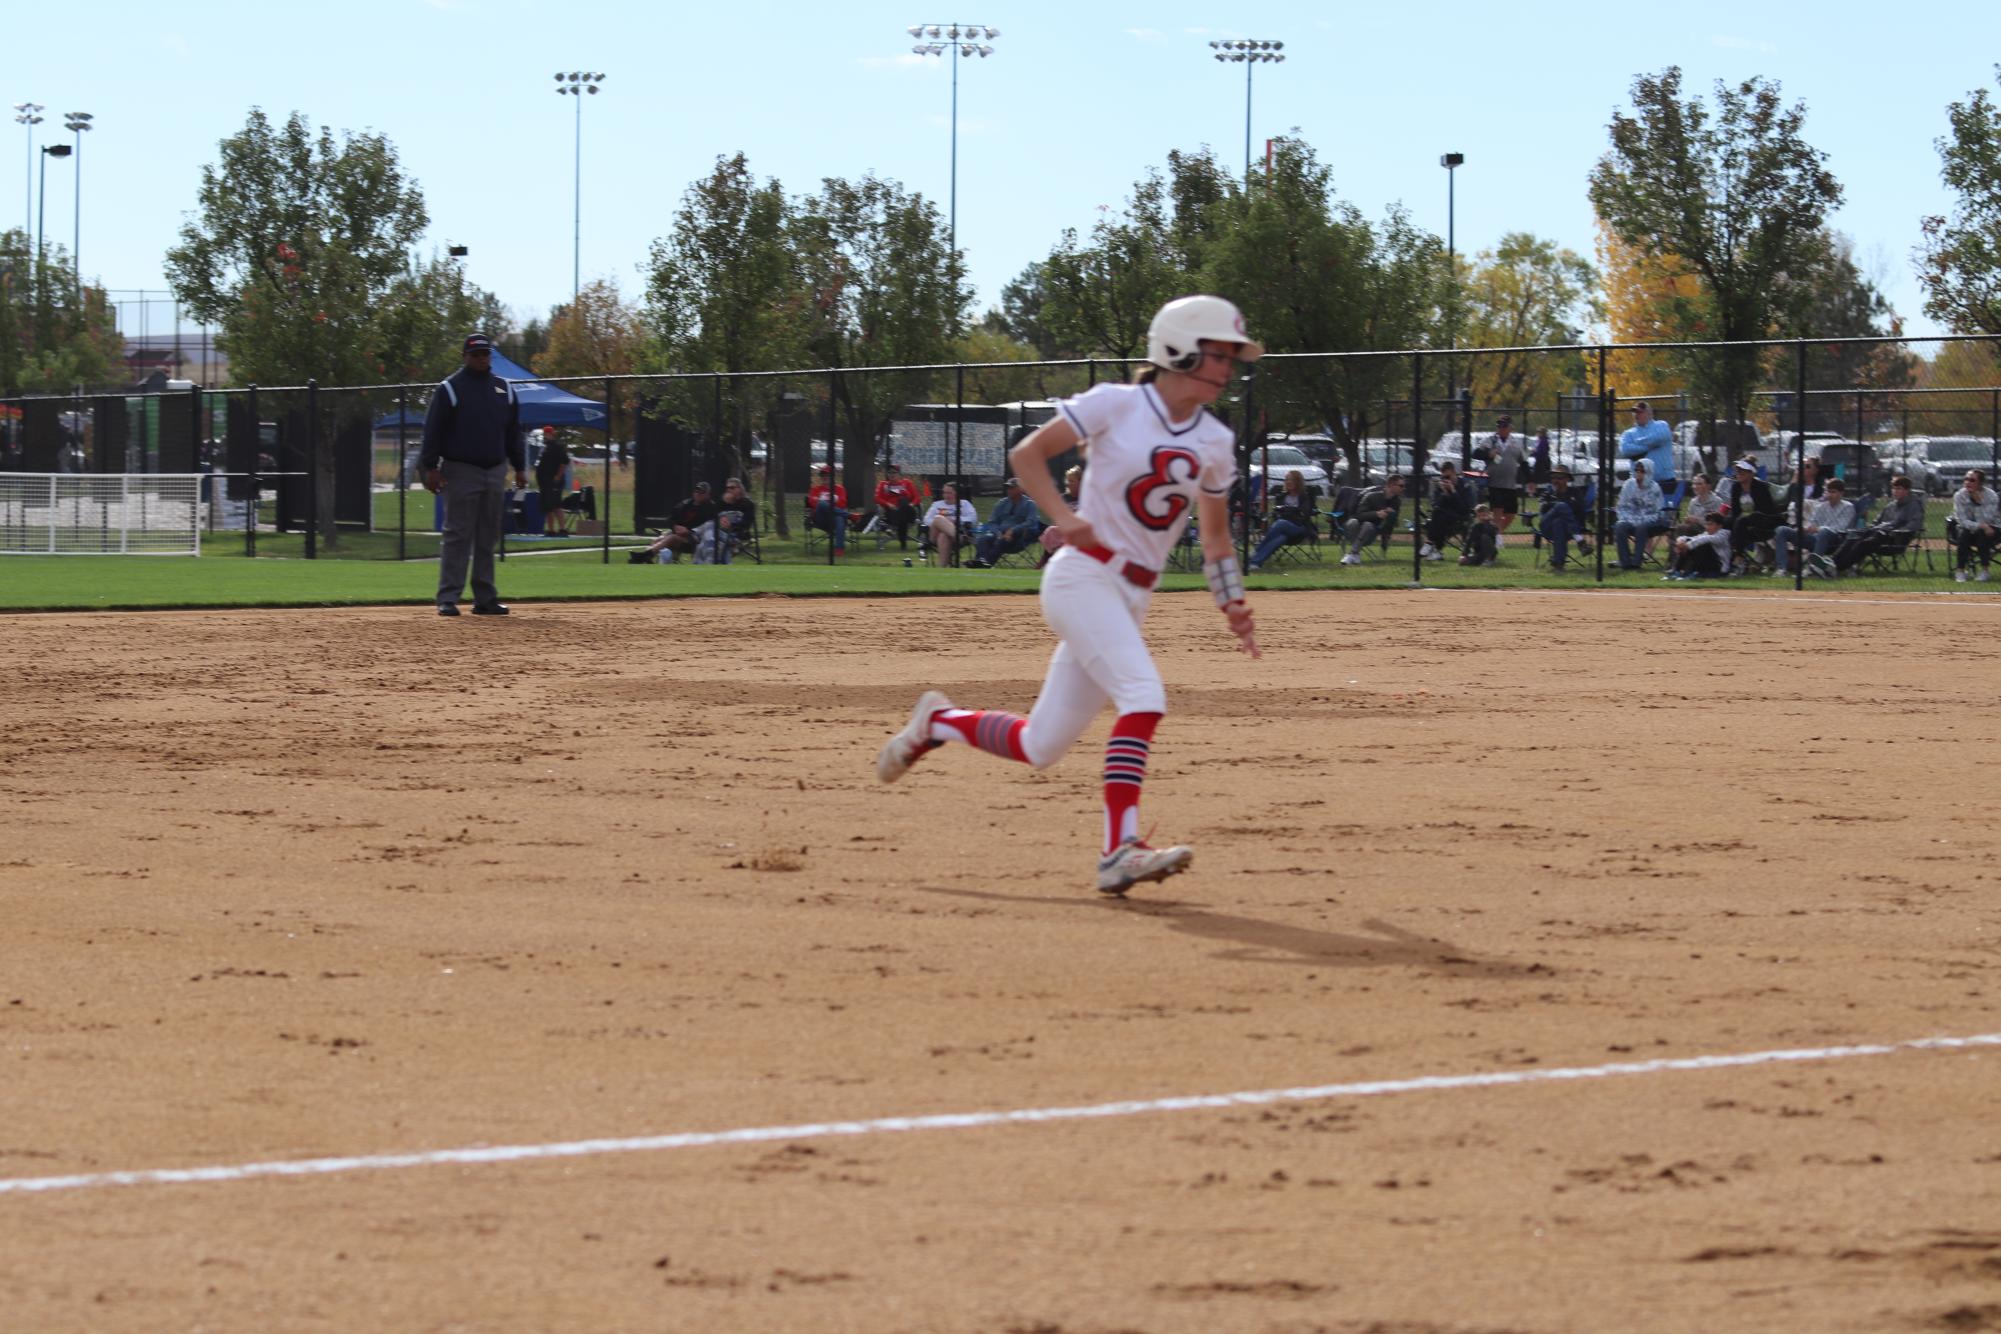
pixel 1154 455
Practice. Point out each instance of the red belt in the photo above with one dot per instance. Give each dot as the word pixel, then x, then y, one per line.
pixel 1133 574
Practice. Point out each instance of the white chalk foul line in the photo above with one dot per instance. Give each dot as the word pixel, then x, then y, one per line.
pixel 586 1148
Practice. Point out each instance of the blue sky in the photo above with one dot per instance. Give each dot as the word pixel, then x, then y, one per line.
pixel 1077 101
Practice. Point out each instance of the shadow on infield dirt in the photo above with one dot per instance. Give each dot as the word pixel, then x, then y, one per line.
pixel 1254 941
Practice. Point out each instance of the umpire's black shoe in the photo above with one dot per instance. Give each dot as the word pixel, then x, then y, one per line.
pixel 447 609
pixel 490 609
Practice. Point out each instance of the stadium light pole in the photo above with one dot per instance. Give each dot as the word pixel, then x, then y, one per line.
pixel 576 84
pixel 27 113
pixel 41 215
pixel 1451 162
pixel 76 122
pixel 961 39
pixel 1250 53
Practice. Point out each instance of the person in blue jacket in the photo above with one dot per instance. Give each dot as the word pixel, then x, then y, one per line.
pixel 471 433
pixel 1653 441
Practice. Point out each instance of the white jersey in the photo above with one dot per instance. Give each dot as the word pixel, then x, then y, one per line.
pixel 1144 471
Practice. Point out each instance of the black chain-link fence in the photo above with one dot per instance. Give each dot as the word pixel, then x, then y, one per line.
pixel 332 472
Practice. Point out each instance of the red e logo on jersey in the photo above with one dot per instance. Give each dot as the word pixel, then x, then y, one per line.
pixel 1172 467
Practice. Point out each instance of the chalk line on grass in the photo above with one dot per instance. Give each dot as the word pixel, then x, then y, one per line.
pixel 585 1148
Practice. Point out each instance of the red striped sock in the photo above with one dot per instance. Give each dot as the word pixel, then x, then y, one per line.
pixel 1125 770
pixel 993 731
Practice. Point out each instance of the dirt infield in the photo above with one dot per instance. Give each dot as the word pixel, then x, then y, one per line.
pixel 288 885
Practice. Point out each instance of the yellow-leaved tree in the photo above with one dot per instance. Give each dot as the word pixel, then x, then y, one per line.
pixel 1524 294
pixel 599 333
pixel 1639 292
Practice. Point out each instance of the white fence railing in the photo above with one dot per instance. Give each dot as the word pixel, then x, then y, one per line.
pixel 111 514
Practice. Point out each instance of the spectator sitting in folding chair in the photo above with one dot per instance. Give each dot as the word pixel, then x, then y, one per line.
pixel 1976 523
pixel 896 503
pixel 1896 525
pixel 1827 522
pixel 684 524
pixel 827 507
pixel 1703 500
pixel 1640 522
pixel 1295 515
pixel 1375 515
pixel 736 514
pixel 1451 511
pixel 946 523
pixel 1754 512
pixel 1704 556
pixel 1566 510
pixel 1013 524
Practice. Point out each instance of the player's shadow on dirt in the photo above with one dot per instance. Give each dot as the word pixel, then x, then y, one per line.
pixel 1255 941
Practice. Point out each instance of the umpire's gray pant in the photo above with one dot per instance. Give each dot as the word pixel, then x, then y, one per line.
pixel 474 499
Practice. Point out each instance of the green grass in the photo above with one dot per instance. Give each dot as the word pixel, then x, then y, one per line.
pixel 366 571
pixel 412 511
pixel 224 579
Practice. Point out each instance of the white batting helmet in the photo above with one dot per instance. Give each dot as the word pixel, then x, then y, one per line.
pixel 1174 340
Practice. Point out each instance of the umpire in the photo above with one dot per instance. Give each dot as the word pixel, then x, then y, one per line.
pixel 471 433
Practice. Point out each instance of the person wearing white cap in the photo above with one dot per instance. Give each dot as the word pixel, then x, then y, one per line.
pixel 1157 458
pixel 1754 511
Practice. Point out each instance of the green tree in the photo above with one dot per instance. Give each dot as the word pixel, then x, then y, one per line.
pixel 525 344
pixel 1959 262
pixel 53 335
pixel 424 317
pixel 1735 196
pixel 1019 315
pixel 724 293
pixel 299 252
pixel 1835 300
pixel 982 347
pixel 1312 274
pixel 1098 297
pixel 296 243
pixel 887 290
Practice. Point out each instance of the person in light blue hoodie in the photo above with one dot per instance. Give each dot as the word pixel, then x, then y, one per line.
pixel 1653 441
pixel 1640 521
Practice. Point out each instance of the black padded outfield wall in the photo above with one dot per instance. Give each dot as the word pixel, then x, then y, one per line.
pixel 176 434
pixel 41 436
pixel 353 459
pixel 110 434
pixel 239 445
pixel 667 461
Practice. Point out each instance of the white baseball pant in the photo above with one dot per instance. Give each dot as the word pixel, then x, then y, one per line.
pixel 1097 613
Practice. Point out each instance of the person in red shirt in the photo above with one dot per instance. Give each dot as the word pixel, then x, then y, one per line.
pixel 827 504
pixel 896 502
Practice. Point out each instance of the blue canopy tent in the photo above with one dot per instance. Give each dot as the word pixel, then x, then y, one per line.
pixel 541 404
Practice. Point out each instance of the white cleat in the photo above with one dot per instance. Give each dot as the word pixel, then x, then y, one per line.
pixel 1135 862
pixel 898 753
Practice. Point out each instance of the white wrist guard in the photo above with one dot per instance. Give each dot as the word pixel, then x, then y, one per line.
pixel 1226 581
